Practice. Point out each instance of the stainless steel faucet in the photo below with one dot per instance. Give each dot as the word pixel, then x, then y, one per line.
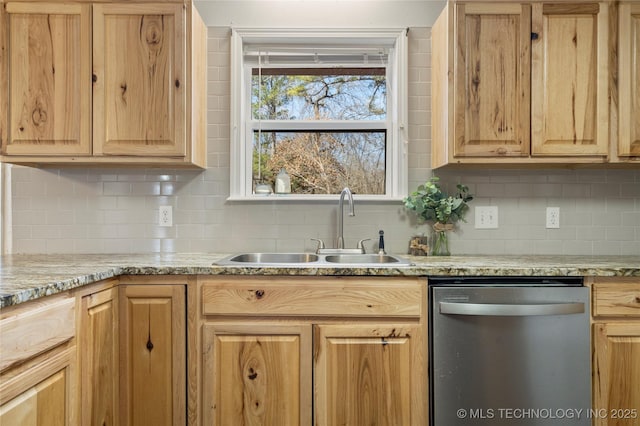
pixel 339 248
pixel 347 192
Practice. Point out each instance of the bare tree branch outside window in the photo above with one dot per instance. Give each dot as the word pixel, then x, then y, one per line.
pixel 321 161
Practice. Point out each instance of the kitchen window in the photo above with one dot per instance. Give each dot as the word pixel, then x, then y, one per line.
pixel 322 110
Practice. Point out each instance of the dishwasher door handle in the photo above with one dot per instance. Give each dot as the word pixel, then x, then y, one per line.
pixel 516 310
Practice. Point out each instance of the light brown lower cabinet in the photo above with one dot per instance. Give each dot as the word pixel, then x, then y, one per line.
pixel 369 374
pixel 273 351
pixel 132 351
pixel 153 347
pixel 99 366
pixel 257 374
pixel 44 404
pixel 314 350
pixel 616 355
pixel 110 354
pixel 38 363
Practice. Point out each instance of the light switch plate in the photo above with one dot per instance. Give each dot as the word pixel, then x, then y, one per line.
pixel 486 217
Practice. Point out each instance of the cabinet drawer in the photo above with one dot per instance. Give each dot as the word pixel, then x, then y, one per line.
pixel 313 296
pixel 620 299
pixel 35 328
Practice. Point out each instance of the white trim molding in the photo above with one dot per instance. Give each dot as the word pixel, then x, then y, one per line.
pixel 394 44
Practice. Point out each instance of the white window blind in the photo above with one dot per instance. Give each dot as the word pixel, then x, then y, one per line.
pixel 275 56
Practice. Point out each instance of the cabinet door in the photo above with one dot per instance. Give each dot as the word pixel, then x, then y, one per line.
pixel 99 368
pixel 152 355
pixel 370 374
pixel 256 374
pixel 492 80
pixel 616 372
pixel 139 72
pixel 45 404
pixel 629 80
pixel 49 66
pixel 570 72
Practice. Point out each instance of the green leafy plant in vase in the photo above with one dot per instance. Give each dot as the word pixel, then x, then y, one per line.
pixel 431 204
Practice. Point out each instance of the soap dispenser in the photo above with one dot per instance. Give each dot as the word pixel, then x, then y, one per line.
pixel 283 182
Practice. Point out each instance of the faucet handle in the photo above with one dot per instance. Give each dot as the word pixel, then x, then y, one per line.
pixel 361 245
pixel 381 243
pixel 320 244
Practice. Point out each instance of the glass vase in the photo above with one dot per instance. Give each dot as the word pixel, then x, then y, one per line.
pixel 440 239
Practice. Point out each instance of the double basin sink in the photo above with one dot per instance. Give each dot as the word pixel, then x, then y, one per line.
pixel 313 260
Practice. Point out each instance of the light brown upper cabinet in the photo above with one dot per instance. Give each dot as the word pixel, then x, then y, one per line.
pixel 491 79
pixel 517 83
pixel 105 83
pixel 570 75
pixel 49 79
pixel 629 79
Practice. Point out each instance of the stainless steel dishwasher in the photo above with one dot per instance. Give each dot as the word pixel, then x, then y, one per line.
pixel 509 351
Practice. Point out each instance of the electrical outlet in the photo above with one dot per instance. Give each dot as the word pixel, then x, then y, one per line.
pixel 165 216
pixel 553 217
pixel 486 217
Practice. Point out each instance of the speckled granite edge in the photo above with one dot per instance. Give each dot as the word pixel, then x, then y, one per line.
pixel 29 277
pixel 48 288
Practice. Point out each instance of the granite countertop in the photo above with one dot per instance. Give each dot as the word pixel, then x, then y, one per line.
pixel 28 277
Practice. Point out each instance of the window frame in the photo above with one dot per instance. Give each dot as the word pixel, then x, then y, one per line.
pixel 241 148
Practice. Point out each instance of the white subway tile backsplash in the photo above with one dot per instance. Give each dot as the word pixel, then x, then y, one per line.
pixel 128 216
pixel 630 190
pixel 116 188
pixel 28 188
pixel 46 231
pixel 591 233
pixel 130 203
pixel 157 231
pixel 589 176
pixel 491 189
pixel 618 233
pixel 28 218
pixel 622 176
pixel 493 246
pixel 577 218
pixel 130 231
pixel 28 245
pixel 631 247
pixel 148 188
pixel 88 245
pixel 120 245
pixel 103 231
pixel 54 246
pixel 59 217
pixel 577 247
pixel 547 190
pixel 608 248
pixel 631 219
pixel 98 175
pixel 576 190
